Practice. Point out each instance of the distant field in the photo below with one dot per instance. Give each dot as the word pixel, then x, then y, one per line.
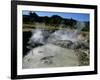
pixel 30 27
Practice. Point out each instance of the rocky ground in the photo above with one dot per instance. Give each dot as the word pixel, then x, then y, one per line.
pixel 50 55
pixel 57 49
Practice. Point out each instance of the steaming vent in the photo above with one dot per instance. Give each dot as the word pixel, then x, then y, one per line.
pixel 41 36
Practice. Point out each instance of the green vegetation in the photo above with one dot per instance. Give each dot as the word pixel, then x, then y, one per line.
pixel 53 22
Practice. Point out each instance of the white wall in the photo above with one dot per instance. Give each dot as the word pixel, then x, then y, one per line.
pixel 5 29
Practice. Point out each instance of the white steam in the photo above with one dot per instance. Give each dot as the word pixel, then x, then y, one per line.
pixel 61 34
pixel 37 36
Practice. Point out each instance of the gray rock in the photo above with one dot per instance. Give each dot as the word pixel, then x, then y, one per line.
pixel 80 44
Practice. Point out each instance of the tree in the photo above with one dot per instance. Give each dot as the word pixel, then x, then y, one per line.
pixel 55 20
pixel 33 16
pixel 87 26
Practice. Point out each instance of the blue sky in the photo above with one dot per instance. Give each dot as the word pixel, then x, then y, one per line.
pixel 76 16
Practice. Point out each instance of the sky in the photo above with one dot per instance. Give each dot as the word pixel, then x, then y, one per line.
pixel 76 16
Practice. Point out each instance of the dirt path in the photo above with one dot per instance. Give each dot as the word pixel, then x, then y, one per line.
pixel 50 55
